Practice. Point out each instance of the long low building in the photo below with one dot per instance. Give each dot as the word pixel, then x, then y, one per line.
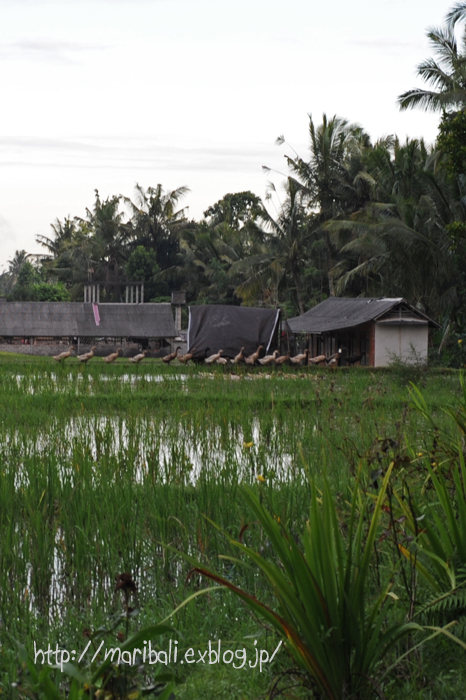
pixel 83 321
pixel 378 330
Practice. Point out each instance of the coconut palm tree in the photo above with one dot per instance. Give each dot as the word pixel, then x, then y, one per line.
pixel 210 248
pixel 155 221
pixel 275 269
pixel 59 248
pixel 15 265
pixel 332 181
pixel 62 239
pixel 445 73
pixel 398 245
pixel 108 241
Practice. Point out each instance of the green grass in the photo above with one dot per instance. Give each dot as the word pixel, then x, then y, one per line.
pixel 110 469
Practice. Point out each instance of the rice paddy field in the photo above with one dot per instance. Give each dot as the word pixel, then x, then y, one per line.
pixel 142 470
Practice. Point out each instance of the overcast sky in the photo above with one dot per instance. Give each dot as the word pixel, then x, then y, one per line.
pixel 104 94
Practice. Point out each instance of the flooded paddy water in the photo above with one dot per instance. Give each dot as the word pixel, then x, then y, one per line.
pixel 106 470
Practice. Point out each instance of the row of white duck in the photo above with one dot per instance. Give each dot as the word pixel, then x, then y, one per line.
pixel 274 358
pixel 217 358
pixel 89 355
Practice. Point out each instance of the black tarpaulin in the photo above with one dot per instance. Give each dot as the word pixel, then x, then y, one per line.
pixel 229 328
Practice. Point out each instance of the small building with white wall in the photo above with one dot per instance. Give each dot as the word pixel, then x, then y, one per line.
pixel 379 329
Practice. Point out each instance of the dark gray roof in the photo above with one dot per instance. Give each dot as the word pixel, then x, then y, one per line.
pixel 338 313
pixel 29 318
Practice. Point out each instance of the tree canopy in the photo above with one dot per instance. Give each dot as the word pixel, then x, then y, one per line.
pixel 353 217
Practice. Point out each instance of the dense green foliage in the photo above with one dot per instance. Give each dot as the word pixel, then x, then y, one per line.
pixel 358 218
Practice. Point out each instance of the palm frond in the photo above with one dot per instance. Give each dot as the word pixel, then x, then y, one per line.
pixel 456 14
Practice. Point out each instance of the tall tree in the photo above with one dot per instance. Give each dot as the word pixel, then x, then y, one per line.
pixel 156 221
pixel 63 232
pixel 236 210
pixel 445 73
pixel 110 242
pixel 331 181
pixel 15 265
pixel 273 272
pixel 397 245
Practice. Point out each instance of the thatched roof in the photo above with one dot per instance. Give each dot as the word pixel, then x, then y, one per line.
pixel 338 313
pixel 76 319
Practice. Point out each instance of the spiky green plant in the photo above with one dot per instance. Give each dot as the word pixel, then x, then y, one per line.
pixel 336 625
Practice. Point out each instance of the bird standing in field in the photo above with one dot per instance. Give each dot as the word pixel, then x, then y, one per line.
pixel 138 358
pixel 297 359
pixel 238 358
pixel 352 359
pixel 213 358
pixel 334 359
pixel 221 361
pixel 268 359
pixel 172 356
pixel 184 359
pixel 63 355
pixel 317 360
pixel 87 355
pixel 282 359
pixel 113 356
pixel 252 359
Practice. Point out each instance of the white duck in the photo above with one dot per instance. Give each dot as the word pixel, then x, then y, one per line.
pixel 138 358
pixel 213 358
pixel 87 355
pixel 268 359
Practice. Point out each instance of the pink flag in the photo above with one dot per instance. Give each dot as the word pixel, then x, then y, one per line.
pixel 95 309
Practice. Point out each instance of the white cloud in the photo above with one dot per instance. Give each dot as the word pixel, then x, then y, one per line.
pixel 129 153
pixel 44 49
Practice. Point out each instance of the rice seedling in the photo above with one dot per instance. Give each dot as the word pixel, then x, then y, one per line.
pixel 110 468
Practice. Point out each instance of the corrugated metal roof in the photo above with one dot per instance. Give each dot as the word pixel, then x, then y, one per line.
pixel 338 313
pixel 29 318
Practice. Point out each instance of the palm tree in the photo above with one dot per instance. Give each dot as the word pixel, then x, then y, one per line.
pixel 109 241
pixel 15 265
pixel 210 249
pixel 274 270
pixel 63 237
pixel 332 181
pixel 56 259
pixel 155 221
pixel 446 73
pixel 398 245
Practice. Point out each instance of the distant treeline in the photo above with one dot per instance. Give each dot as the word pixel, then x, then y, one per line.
pixel 354 218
